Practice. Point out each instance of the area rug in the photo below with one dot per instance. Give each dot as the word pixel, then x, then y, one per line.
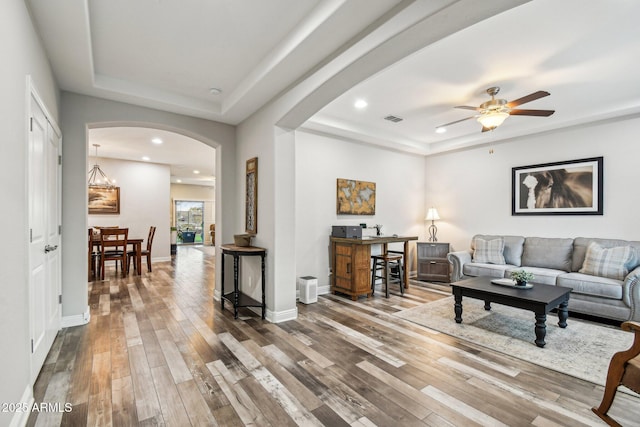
pixel 582 350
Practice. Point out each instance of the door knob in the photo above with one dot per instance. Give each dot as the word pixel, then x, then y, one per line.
pixel 49 248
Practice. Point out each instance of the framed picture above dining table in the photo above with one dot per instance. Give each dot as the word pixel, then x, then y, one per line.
pixel 103 200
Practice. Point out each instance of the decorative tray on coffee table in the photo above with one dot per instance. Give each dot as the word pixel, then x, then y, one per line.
pixel 510 283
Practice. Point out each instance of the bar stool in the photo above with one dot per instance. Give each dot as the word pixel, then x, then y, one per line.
pixel 387 263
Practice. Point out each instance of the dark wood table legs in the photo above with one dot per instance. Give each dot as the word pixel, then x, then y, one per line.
pixel 540 300
pixel 237 297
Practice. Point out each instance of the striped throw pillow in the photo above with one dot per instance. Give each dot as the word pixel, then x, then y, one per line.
pixel 489 251
pixel 607 262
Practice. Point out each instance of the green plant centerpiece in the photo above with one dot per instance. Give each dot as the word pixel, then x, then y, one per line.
pixel 522 277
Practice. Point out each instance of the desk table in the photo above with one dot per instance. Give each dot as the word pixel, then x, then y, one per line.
pixel 351 262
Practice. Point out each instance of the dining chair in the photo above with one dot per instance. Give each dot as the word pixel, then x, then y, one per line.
pixel 113 247
pixel 145 252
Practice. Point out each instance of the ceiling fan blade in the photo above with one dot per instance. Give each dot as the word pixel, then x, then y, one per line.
pixel 531 97
pixel 541 113
pixel 457 121
pixel 467 107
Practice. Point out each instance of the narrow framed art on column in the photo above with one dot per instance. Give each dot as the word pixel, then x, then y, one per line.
pixel 251 204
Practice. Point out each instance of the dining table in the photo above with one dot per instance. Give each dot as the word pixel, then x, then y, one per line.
pixel 136 245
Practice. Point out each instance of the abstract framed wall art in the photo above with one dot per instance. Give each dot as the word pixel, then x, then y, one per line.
pixel 571 187
pixel 355 197
pixel 251 204
pixel 104 201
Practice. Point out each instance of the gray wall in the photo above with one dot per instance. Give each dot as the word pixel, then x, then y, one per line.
pixel 22 55
pixel 81 112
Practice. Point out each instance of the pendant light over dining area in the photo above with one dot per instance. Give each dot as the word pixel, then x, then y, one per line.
pixel 97 178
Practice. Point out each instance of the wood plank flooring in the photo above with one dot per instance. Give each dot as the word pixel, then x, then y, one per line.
pixel 159 351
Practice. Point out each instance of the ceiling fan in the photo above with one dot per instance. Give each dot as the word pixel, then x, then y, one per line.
pixel 492 113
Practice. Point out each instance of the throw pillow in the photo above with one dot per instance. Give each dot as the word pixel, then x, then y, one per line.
pixel 489 251
pixel 611 262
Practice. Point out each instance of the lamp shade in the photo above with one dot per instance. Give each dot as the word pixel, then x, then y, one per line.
pixel 432 214
pixel 492 119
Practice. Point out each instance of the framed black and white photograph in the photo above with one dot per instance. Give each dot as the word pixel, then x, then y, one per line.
pixel 571 187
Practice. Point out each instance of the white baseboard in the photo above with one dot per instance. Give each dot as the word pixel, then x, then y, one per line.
pixel 76 319
pixel 280 316
pixel 159 259
pixel 20 418
pixel 324 290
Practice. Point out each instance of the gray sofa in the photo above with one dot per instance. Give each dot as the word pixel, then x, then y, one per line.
pixel 558 261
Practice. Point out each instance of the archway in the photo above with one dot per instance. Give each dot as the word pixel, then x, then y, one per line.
pixel 80 113
pixel 155 170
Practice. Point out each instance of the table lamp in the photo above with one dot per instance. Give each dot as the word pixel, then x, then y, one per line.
pixel 432 215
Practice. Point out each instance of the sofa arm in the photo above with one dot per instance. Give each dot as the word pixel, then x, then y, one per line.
pixel 631 293
pixel 458 260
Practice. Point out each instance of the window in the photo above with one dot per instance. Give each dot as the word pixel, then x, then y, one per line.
pixel 189 221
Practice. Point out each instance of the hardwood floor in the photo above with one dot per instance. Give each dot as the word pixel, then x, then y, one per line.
pixel 159 351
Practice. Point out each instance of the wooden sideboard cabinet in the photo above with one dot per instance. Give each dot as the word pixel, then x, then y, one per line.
pixel 351 269
pixel 432 262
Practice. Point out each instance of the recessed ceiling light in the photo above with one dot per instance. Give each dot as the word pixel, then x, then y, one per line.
pixel 441 130
pixel 156 141
pixel 360 103
pixel 178 180
pixel 196 172
pixel 215 91
pixel 146 158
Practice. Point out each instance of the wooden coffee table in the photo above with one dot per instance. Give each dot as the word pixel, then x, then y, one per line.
pixel 540 299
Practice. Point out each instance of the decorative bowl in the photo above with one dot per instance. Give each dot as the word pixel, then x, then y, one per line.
pixel 242 239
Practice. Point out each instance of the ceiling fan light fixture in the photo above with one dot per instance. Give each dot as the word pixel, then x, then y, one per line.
pixel 492 119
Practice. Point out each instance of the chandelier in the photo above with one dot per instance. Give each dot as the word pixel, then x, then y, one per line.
pixel 97 178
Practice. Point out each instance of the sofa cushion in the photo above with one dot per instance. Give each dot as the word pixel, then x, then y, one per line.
pixel 587 284
pixel 580 245
pixel 555 253
pixel 489 251
pixel 546 276
pixel 512 247
pixel 476 269
pixel 607 262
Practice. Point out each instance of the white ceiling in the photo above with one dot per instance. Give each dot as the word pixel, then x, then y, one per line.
pixel 184 155
pixel 168 54
pixel 586 54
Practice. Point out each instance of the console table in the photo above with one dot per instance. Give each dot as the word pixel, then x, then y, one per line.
pixel 236 297
pixel 351 263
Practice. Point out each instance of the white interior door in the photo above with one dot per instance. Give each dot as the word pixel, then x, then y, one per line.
pixel 44 235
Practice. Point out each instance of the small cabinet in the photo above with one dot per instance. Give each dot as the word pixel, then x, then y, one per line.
pixel 432 262
pixel 351 264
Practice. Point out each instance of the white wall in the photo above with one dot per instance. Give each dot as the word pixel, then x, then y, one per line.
pixel 472 188
pixel 198 193
pixel 255 138
pixel 144 197
pixel 320 160
pixel 22 55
